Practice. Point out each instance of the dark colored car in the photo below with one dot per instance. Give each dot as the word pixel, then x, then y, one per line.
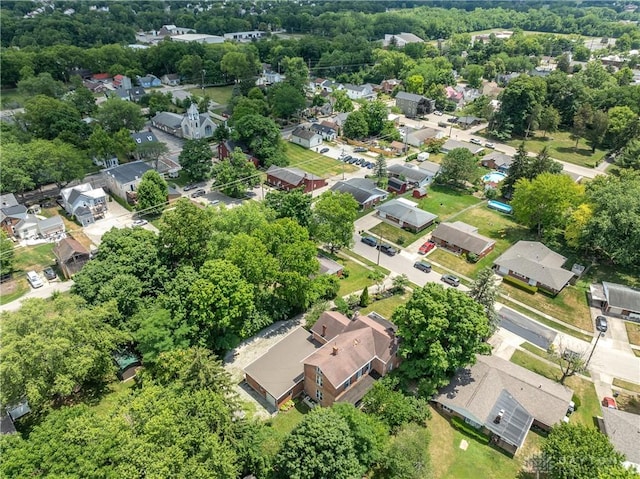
pixel 190 187
pixel 359 149
pixel 346 158
pixel 422 266
pixel 369 240
pixel 324 150
pixel 387 249
pixel 426 247
pixel 49 273
pixel 370 166
pixel 453 119
pixel 601 324
pixel 198 193
pixel 451 280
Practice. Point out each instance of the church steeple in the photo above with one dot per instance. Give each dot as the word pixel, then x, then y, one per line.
pixel 193 117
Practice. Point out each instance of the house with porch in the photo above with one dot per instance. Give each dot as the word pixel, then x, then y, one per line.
pixel 71 256
pixel 503 401
pixel 84 202
pixel 363 190
pixel 327 133
pixel 405 214
pixel 306 138
pixel 413 175
pixel 532 263
pixel 461 238
pixel 288 178
pixel 11 213
pixel 357 92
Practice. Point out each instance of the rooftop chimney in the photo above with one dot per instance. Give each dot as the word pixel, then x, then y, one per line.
pixel 324 330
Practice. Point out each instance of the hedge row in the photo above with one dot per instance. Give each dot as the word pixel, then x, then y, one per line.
pixel 520 284
pixel 471 431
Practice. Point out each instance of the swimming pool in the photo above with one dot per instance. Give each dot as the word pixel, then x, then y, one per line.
pixel 494 177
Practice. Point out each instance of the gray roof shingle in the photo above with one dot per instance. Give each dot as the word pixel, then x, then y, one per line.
pixel 128 172
pixel 623 430
pixel 622 296
pixel 403 95
pixel 463 236
pixel 362 189
pixel 407 214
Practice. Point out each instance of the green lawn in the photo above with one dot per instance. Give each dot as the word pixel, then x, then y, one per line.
pixel 396 235
pixel 315 163
pixel 445 202
pixel 561 147
pixel 589 404
pixel 281 425
pixel 448 461
pixel 115 392
pixel 386 307
pixel 629 386
pixel 219 94
pixel 358 277
pixel 633 331
pixel 34 257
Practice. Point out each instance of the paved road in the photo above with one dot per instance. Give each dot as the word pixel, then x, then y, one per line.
pixel 526 328
pixel 44 292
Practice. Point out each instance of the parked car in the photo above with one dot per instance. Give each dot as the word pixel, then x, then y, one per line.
pixel 426 247
pixel 214 202
pixel 190 187
pixel 601 324
pixel 198 193
pixel 324 150
pixel 422 266
pixel 609 402
pixel 370 165
pixel 369 240
pixel 453 119
pixel 387 249
pixel 451 280
pixel 364 164
pixel 49 273
pixel 34 279
pixel 360 149
pixel 475 141
pixel 489 145
pixel 346 158
pixel 139 223
pixel 437 113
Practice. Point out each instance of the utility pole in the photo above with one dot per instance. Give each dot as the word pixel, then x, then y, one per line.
pixel 600 335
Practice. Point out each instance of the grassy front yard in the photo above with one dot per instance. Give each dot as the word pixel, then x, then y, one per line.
pixel 446 202
pixel 386 307
pixel 629 386
pixel 589 407
pixel 219 94
pixel 396 235
pixel 561 147
pixel 315 163
pixel 358 277
pixel 633 331
pixel 14 289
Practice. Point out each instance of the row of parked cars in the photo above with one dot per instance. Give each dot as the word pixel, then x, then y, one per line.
pixel 385 248
pixel 36 281
pixel 357 161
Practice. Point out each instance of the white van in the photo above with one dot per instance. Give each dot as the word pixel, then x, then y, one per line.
pixel 34 279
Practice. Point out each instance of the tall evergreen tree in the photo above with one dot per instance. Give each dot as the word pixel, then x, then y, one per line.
pixel 518 169
pixel 484 291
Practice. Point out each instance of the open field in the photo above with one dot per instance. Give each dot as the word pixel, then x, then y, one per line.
pixel 446 202
pixel 589 407
pixel 219 94
pixel 34 257
pixel 561 147
pixel 315 163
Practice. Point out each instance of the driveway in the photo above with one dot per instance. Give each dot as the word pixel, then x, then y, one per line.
pixel 116 217
pixel 526 328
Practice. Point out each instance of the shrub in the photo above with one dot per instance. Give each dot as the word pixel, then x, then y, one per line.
pixel 364 298
pixel 287 405
pixel 412 157
pixel 576 401
pixel 400 240
pixel 314 313
pixel 345 273
pixel 520 284
pixel 472 258
pixel 470 431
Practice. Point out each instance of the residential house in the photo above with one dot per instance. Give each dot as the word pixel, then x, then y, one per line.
pixel 122 82
pixel 405 214
pixel 225 148
pixel 412 174
pixel 432 168
pixel 469 121
pixel 462 238
pixel 123 180
pixel 330 86
pixel 617 300
pixel 357 92
pixel 192 125
pixel 143 137
pixel 11 214
pixel 363 190
pixel 198 38
pixel 245 36
pixel 400 39
pixel 170 79
pixel 84 202
pixel 453 95
pixel 269 76
pixel 413 105
pixel 388 86
pixel 340 118
pixel 418 138
pixel 71 256
pixel 331 124
pixel 102 77
pixel 12 413
pixel 623 430
pixel 453 144
pixel 503 79
pixel 305 138
pixel 327 133
pixel 504 400
pixel 50 227
pixel 536 265
pixel 329 266
pixel 497 160
pixel 149 81
pixel 135 94
pixel 398 148
pixel 353 355
pixel 287 178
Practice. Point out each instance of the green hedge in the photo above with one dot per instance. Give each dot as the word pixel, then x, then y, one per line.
pixel 520 284
pixel 471 431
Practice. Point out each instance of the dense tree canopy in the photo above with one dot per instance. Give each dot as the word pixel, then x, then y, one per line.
pixel 333 217
pixel 196 159
pixel 152 193
pixel 458 167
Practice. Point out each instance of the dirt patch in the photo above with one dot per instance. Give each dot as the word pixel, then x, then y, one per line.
pixel 9 287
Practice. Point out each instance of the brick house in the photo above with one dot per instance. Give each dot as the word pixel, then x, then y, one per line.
pixel 461 238
pixel 287 178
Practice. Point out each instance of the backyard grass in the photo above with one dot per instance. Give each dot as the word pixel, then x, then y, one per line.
pixel 633 331
pixel 358 278
pixel 561 147
pixel 386 307
pixel 315 163
pixel 115 391
pixel 582 388
pixel 36 257
pixel 12 290
pixel 445 202
pixel 629 403
pixel 396 235
pixel 281 425
pixel 219 94
pixel 629 386
pixel 448 461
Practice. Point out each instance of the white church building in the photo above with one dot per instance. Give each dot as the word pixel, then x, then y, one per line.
pixel 193 125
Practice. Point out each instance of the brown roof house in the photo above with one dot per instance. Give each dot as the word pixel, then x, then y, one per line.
pixel 292 178
pixel 71 256
pixel 503 400
pixel 462 238
pixel 536 265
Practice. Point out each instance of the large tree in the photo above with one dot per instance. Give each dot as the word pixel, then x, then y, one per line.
pixel 55 161
pixel 235 174
pixel 519 101
pixel 321 446
pixel 333 219
pixel 286 100
pixel 623 125
pixel 296 73
pixel 484 290
pixel 459 167
pixel 375 112
pixel 355 126
pixel 441 330
pixel 152 193
pixel 195 159
pixel 47 118
pixel 342 102
pixel 295 204
pixel 262 136
pixel 545 202
pixel 115 114
pixel 407 456
pixel 630 155
pixel 576 451
pixel 53 348
pixel 7 254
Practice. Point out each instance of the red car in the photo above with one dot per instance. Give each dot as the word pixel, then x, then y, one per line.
pixel 609 403
pixel 425 248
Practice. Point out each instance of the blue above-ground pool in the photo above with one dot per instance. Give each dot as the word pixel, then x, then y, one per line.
pixel 502 207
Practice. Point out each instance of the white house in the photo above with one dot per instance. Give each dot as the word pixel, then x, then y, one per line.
pixel 306 138
pixel 357 92
pixel 124 179
pixel 84 202
pixel 401 39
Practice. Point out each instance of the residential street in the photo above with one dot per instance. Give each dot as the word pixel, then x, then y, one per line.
pixel 45 291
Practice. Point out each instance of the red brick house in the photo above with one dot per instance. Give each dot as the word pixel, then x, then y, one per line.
pixel 461 238
pixel 225 149
pixel 292 178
